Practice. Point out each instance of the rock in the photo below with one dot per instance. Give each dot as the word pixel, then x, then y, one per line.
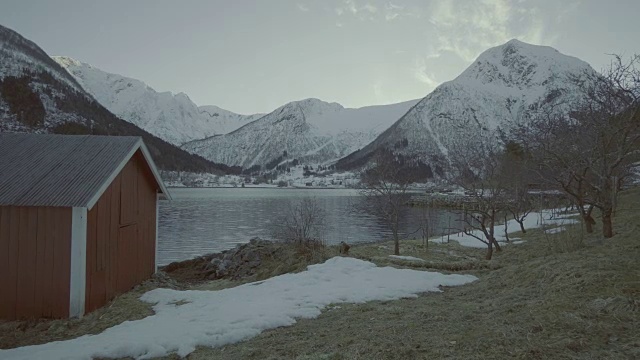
pixel 344 248
pixel 163 280
pixel 213 264
pixel 242 261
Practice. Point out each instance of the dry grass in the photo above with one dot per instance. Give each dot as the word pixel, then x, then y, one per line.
pixel 124 307
pixel 556 296
pixel 128 306
pixel 560 296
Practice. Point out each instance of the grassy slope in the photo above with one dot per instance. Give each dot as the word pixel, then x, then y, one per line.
pixel 554 296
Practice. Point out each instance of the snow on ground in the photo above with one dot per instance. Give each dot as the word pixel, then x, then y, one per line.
pixel 186 319
pixel 407 258
pixel 555 230
pixel 533 221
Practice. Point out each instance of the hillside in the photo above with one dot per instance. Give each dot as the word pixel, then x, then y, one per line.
pixel 37 95
pixel 503 86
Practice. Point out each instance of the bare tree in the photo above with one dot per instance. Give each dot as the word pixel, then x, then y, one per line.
pixel 477 169
pixel 587 148
pixel 302 222
pixel 516 178
pixel 384 192
pixel 427 227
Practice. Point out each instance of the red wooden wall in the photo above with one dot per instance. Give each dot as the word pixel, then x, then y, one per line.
pixel 35 248
pixel 121 235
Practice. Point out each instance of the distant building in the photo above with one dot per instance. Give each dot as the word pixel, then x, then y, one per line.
pixel 78 222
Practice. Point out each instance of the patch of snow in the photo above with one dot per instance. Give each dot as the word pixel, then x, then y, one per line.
pixel 407 258
pixel 534 220
pixel 187 319
pixel 555 230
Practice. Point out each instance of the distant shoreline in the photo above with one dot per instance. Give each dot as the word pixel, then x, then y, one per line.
pixel 261 187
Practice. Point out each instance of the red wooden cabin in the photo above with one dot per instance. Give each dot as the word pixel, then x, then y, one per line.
pixel 78 222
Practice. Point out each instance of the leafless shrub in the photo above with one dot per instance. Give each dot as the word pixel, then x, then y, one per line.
pixel 384 193
pixel 303 223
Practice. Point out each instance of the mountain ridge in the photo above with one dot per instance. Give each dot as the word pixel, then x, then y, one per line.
pixel 172 117
pixel 309 130
pixel 37 95
pixel 503 86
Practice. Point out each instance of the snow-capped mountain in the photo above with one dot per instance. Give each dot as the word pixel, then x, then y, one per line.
pixel 503 86
pixel 309 130
pixel 20 56
pixel 37 95
pixel 174 118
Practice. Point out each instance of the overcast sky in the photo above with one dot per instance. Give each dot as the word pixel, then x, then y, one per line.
pixel 252 56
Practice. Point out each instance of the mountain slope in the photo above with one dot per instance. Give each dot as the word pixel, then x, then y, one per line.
pixel 37 95
pixel 503 86
pixel 174 118
pixel 308 130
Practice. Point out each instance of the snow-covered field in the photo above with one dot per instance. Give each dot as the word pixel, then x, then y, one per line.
pixel 534 220
pixel 186 319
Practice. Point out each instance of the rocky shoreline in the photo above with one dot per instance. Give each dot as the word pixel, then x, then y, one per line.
pixel 245 261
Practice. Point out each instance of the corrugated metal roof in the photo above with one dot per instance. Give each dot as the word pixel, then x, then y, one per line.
pixel 58 170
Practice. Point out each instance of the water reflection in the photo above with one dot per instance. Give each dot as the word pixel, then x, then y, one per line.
pixel 200 221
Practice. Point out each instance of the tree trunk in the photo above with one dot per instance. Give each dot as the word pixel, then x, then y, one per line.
pixel 396 243
pixel 495 242
pixel 506 228
pixel 588 223
pixel 586 217
pixel 489 250
pixel 607 225
pixel 492 231
pixel 522 226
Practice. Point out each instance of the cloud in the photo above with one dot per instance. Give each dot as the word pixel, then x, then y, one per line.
pixel 392 6
pixel 421 74
pixel 378 91
pixel 391 16
pixel 351 6
pixel 302 7
pixel 370 11
pixel 398 12
pixel 363 12
pixel 370 8
pixel 467 28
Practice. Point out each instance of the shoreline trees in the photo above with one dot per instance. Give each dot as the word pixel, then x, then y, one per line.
pixel 587 148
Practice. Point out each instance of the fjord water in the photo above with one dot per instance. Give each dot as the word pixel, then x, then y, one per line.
pixel 205 220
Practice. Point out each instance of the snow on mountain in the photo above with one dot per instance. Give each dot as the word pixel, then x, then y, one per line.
pixel 20 56
pixel 225 121
pixel 38 96
pixel 174 118
pixel 309 130
pixel 503 86
pixel 32 87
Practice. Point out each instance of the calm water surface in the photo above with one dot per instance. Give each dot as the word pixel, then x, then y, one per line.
pixel 201 221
